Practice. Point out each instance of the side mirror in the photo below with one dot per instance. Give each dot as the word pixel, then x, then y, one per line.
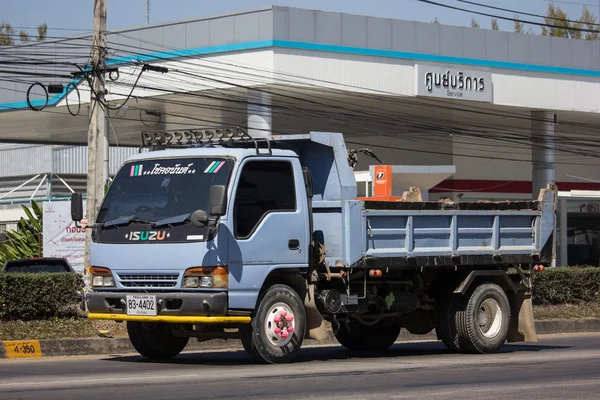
pixel 76 207
pixel 218 200
pixel 308 182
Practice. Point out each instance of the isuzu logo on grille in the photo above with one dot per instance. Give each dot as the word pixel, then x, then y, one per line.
pixel 147 235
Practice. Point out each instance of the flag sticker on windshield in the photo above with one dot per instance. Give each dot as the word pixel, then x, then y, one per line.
pixel 136 170
pixel 214 167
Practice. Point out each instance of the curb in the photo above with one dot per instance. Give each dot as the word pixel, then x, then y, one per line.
pixel 122 346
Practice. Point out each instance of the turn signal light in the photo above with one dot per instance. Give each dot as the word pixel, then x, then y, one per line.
pixel 206 277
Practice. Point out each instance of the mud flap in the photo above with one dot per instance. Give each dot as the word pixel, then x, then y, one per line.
pixel 522 324
pixel 315 324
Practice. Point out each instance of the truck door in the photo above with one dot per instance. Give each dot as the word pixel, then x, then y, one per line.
pixel 268 226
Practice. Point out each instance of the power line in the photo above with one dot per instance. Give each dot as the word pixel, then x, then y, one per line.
pixel 524 13
pixel 505 18
pixel 414 122
pixel 573 3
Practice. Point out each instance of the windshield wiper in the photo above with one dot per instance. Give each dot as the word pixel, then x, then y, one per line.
pixel 125 221
pixel 178 219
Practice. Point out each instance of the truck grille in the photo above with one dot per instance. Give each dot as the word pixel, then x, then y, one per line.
pixel 149 280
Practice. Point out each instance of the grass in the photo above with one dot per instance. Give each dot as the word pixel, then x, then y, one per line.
pixel 85 328
pixel 568 311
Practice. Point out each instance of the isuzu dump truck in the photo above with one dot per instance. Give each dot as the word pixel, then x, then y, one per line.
pixel 217 234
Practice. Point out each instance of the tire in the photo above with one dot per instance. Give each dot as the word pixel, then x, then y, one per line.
pixel 261 339
pixel 483 319
pixel 378 337
pixel 446 328
pixel 155 341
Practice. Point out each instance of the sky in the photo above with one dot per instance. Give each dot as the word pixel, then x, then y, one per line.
pixel 121 14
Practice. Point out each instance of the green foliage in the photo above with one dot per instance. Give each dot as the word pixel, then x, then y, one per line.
pixel 495 26
pixel 42 32
pixel 474 23
pixel 571 285
pixel 26 241
pixel 24 36
pixel 561 27
pixel 6 35
pixel 31 296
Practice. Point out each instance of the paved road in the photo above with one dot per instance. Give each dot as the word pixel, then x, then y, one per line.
pixel 558 367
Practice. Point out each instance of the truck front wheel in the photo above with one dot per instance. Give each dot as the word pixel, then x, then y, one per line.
pixel 378 337
pixel 155 341
pixel 483 319
pixel 277 329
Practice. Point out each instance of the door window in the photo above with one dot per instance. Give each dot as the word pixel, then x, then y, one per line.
pixel 264 187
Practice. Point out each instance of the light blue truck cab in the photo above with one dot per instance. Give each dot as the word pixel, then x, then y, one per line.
pixel 222 235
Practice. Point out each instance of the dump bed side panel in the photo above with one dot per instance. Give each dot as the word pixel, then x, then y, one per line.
pixel 460 236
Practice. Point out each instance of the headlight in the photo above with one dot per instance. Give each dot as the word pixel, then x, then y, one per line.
pixel 98 281
pixel 206 281
pixel 109 281
pixel 102 277
pixel 205 277
pixel 190 282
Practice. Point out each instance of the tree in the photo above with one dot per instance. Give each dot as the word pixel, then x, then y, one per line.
pixel 588 20
pixel 24 37
pixel 26 241
pixel 42 31
pixel 495 24
pixel 560 27
pixel 519 26
pixel 436 21
pixel 6 35
pixel 474 23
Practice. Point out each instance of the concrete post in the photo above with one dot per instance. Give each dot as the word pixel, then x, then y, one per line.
pixel 259 113
pixel 542 150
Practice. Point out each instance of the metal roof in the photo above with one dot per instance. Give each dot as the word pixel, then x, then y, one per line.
pixel 209 152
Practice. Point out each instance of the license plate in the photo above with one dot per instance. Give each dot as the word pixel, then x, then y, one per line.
pixel 141 305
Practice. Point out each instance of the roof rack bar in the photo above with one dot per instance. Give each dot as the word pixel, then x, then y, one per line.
pixel 198 137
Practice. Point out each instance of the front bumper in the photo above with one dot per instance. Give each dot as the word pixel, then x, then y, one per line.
pixel 196 307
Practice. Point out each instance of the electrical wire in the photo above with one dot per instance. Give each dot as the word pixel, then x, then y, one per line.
pixel 526 13
pixel 78 99
pixel 29 101
pixel 342 115
pixel 305 81
pixel 505 18
pixel 572 3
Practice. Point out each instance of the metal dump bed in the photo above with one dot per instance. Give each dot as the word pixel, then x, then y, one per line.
pixel 441 234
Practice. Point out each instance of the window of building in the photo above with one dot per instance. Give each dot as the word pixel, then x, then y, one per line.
pixel 264 187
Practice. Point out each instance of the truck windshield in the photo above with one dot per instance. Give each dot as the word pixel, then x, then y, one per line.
pixel 155 190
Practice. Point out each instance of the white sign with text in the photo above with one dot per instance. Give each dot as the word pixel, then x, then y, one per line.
pixel 453 83
pixel 62 238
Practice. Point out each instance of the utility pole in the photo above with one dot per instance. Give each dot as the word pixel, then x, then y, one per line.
pixel 147 12
pixel 97 131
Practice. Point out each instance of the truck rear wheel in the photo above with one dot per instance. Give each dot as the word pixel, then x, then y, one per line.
pixel 277 330
pixel 378 337
pixel 483 319
pixel 155 341
pixel 446 328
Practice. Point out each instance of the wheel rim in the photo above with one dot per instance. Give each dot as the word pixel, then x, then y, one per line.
pixel 280 324
pixel 490 318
